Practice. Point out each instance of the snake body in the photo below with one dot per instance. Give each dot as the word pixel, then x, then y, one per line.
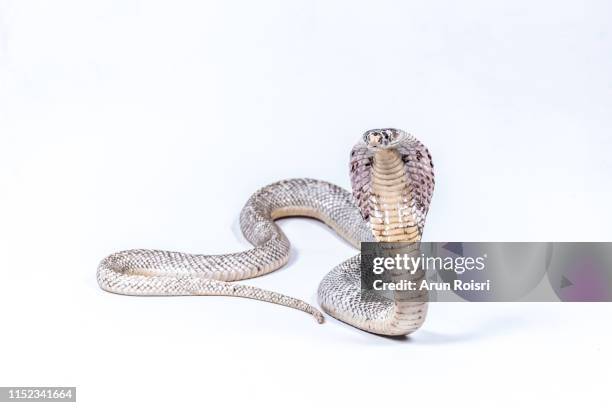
pixel 392 179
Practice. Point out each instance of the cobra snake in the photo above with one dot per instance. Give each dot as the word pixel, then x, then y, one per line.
pixel 392 184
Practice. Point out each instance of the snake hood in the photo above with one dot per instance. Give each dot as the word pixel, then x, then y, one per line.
pixel 392 181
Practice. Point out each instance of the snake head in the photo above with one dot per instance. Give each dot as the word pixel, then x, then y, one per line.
pixel 383 138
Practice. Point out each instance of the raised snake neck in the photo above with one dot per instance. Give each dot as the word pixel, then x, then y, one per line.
pixel 390 194
pixel 388 204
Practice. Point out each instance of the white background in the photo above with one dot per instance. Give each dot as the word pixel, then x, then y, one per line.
pixel 148 124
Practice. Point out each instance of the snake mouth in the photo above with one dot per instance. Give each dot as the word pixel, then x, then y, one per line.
pixel 380 139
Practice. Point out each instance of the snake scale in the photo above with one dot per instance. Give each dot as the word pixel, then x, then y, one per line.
pixel 392 185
